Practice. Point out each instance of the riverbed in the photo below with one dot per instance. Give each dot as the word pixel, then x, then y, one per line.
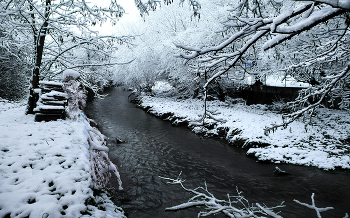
pixel 145 147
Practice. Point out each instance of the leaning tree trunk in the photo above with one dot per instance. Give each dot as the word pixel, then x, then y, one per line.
pixel 39 49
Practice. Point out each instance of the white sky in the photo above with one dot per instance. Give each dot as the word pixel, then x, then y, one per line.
pixel 129 7
pixel 131 14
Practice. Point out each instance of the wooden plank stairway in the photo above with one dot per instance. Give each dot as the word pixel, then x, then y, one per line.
pixel 52 101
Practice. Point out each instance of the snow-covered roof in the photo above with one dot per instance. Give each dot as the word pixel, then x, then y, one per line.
pixel 278 80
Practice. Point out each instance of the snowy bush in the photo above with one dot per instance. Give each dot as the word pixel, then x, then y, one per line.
pixel 101 165
pixel 76 98
pixel 98 79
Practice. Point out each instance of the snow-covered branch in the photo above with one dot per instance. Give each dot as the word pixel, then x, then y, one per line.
pixel 313 206
pixel 151 5
pixel 344 4
pixel 323 91
pixel 288 32
pixel 234 206
pixel 260 29
pixel 101 165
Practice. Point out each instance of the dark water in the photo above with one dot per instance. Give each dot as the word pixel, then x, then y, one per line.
pixel 154 148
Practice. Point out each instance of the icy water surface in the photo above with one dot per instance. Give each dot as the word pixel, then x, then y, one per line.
pixel 153 147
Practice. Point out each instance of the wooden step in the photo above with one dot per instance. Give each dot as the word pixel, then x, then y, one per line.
pixel 54 95
pixel 49 109
pixel 48 117
pixel 48 86
pixel 52 102
pixel 49 89
pixel 51 83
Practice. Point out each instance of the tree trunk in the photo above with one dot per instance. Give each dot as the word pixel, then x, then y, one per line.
pixel 39 48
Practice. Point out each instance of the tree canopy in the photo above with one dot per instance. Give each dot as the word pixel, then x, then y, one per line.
pixel 52 31
pixel 307 40
pixel 57 35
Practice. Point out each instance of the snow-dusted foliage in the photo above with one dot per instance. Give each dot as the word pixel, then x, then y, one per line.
pixel 302 39
pixel 234 206
pixel 162 88
pixel 52 30
pixel 76 96
pixel 94 63
pixel 151 5
pixel 101 165
pixel 154 49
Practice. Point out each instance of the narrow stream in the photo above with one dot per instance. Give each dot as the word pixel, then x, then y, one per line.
pixel 153 147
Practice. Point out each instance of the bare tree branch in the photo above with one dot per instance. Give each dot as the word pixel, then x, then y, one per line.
pixel 257 28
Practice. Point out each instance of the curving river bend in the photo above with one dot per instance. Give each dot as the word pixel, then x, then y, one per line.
pixel 152 147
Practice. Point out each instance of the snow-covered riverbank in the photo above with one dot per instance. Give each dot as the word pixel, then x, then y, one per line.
pixel 45 170
pixel 323 144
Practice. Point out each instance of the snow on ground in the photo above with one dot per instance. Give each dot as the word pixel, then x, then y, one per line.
pixel 322 144
pixel 44 168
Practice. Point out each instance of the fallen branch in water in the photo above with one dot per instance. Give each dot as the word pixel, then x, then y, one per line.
pixel 234 206
pixel 313 206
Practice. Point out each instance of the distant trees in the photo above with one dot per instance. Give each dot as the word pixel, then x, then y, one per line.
pixel 153 47
pixel 309 41
pixel 54 33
